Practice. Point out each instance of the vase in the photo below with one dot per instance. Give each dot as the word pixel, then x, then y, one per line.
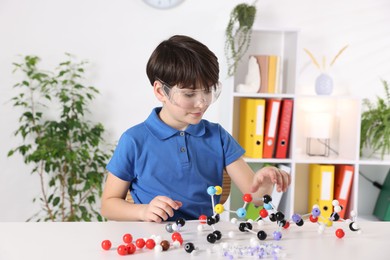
pixel 324 84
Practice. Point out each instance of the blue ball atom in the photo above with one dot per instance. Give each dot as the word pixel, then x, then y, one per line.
pixel 316 212
pixel 296 218
pixel 211 190
pixel 277 235
pixel 267 206
pixel 241 212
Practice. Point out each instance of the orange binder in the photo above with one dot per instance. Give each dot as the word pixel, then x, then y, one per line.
pixel 251 132
pixel 342 187
pixel 262 60
pixel 283 137
pixel 272 109
pixel 321 187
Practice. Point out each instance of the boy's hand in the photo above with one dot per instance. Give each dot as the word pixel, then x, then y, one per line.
pixel 268 176
pixel 159 209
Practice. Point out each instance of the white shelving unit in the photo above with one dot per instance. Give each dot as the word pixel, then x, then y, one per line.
pixel 345 134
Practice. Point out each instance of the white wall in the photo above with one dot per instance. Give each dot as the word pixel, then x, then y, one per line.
pixel 118 36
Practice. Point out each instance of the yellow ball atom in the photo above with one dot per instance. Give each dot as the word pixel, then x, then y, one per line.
pixel 218 190
pixel 219 208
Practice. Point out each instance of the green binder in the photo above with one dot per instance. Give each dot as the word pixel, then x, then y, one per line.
pixel 382 206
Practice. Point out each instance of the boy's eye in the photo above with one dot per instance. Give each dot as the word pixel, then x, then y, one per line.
pixel 189 94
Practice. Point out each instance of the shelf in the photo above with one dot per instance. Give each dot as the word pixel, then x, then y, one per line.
pixel 344 131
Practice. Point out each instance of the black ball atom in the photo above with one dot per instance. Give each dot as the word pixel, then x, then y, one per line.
pixel 180 221
pixel 282 223
pixel 261 235
pixel 211 238
pixel 300 223
pixel 267 199
pixel 189 247
pixel 242 227
pixel 336 217
pixel 218 234
pixel 210 221
pixel 279 216
pixel 248 225
pixel 272 217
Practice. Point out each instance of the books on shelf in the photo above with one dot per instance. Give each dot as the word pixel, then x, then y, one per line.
pixel 263 75
pixel 269 67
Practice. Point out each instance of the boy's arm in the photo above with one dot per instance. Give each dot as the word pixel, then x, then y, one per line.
pixel 259 183
pixel 115 206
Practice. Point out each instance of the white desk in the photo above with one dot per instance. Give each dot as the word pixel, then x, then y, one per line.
pixel 82 241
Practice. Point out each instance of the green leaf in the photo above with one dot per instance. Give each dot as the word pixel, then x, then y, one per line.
pixel 56 201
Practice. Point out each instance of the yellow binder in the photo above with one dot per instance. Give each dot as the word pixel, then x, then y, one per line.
pixel 251 132
pixel 321 181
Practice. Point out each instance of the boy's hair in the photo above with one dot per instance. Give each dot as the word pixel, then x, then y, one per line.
pixel 185 62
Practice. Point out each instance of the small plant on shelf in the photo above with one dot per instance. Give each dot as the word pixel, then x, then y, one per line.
pixel 375 125
pixel 63 147
pixel 238 34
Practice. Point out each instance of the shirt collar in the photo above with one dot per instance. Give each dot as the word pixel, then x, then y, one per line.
pixel 164 131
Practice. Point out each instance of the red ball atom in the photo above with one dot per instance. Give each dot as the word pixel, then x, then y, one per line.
pixel 127 238
pixel 203 219
pixel 140 243
pixel 150 244
pixel 263 213
pixel 122 250
pixel 106 244
pixel 247 197
pixel 130 248
pixel 340 233
pixel 313 219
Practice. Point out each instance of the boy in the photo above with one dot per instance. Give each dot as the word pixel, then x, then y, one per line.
pixel 170 159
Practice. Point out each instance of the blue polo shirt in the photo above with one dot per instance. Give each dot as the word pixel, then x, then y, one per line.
pixel 160 160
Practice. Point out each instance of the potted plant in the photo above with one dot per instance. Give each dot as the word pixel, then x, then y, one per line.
pixel 63 146
pixel 375 126
pixel 238 34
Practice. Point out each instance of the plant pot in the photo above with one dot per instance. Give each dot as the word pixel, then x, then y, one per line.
pixel 324 84
pixel 368 153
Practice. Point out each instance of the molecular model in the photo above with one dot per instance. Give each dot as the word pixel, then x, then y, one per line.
pixel 156 243
pixel 270 211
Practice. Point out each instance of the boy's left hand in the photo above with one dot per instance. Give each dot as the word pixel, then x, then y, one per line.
pixel 269 176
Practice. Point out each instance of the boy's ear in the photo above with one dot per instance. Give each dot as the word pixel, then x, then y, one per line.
pixel 158 91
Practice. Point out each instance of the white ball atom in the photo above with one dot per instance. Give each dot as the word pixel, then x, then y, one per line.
pixel 200 228
pixel 158 249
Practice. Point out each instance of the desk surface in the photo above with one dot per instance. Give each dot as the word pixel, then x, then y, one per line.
pixel 82 241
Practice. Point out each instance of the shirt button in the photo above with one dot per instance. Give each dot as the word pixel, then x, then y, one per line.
pixel 181 133
pixel 182 149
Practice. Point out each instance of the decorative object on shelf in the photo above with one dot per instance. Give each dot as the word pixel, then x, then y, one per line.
pixel 324 82
pixel 375 126
pixel 252 78
pixel 318 132
pixel 64 148
pixel 238 34
pixel 163 4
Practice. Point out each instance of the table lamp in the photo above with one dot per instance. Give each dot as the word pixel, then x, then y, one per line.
pixel 318 126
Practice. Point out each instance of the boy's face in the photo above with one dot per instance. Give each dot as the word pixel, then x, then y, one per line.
pixel 182 107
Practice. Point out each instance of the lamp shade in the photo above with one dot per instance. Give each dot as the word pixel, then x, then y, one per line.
pixel 318 125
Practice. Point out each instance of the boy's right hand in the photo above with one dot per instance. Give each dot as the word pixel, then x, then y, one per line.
pixel 160 209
